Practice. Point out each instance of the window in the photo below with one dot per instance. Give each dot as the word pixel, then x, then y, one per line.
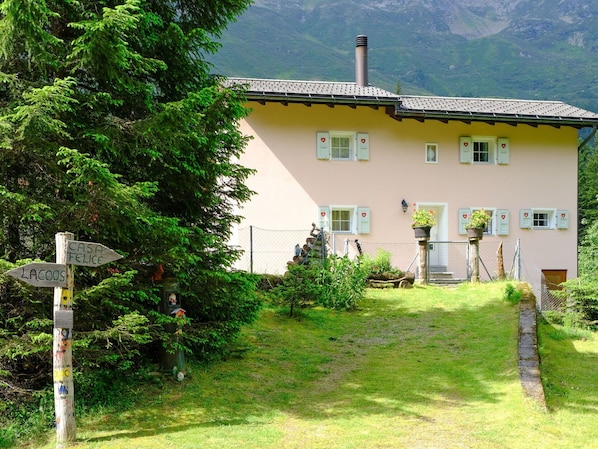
pixel 483 150
pixel 481 153
pixel 497 225
pixel 542 219
pixel 345 219
pixel 431 153
pixel 340 147
pixel 491 227
pixel 341 220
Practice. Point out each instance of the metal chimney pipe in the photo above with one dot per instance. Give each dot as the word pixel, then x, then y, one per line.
pixel 361 60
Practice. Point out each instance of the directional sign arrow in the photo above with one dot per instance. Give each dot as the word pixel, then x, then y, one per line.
pixel 41 274
pixel 89 254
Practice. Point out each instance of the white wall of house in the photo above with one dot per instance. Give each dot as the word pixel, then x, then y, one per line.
pixel 292 183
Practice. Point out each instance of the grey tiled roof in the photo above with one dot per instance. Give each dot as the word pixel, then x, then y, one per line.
pixel 313 91
pixel 495 107
pixel 416 106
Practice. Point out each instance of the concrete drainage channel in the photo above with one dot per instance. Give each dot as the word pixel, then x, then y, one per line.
pixel 529 359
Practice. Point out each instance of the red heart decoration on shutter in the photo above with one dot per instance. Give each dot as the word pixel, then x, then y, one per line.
pixel 363 214
pixel 323 214
pixel 362 140
pixel 465 144
pixel 323 139
pixel 563 215
pixel 525 214
pixel 503 216
pixel 464 216
pixel 504 145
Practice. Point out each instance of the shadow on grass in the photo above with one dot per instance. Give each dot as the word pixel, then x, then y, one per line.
pixel 568 374
pixel 388 358
pixel 148 432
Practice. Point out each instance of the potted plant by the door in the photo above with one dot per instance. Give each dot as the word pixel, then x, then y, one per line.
pixel 422 221
pixel 478 222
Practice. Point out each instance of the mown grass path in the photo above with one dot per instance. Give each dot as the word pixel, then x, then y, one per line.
pixel 419 368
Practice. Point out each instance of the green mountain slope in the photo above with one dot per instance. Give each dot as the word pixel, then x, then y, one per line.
pixel 533 49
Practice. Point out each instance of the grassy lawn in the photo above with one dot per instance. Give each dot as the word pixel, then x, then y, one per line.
pixel 426 367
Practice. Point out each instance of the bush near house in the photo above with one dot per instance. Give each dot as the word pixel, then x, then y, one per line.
pixel 581 294
pixel 337 283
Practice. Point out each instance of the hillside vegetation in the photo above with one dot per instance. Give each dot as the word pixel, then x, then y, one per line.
pixel 488 48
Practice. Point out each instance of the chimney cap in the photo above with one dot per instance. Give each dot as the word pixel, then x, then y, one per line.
pixel 361 41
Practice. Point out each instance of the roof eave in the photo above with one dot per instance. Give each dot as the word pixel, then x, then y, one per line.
pixel 516 119
pixel 416 114
pixel 307 99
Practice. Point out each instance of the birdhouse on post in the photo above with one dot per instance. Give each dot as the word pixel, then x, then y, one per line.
pixel 173 359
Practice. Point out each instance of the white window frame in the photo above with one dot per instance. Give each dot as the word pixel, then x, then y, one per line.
pixel 491 141
pixel 492 227
pixel 431 153
pixel 352 219
pixel 343 134
pixel 550 217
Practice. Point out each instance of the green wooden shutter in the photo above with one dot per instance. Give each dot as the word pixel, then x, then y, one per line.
pixel 363 220
pixel 464 215
pixel 502 222
pixel 324 218
pixel 526 218
pixel 562 219
pixel 503 149
pixel 465 150
pixel 323 145
pixel 363 147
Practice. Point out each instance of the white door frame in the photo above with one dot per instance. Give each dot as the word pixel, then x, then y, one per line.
pixel 439 232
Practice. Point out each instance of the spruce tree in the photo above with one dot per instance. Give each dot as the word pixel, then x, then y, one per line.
pixel 111 127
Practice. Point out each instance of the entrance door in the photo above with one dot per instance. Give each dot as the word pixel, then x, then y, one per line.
pixel 438 255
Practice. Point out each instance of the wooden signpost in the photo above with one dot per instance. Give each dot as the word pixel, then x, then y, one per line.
pixel 41 274
pixel 89 254
pixel 60 276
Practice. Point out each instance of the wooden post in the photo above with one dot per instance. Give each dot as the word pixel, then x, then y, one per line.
pixel 60 275
pixel 474 259
pixel 64 391
pixel 423 261
pixel 501 263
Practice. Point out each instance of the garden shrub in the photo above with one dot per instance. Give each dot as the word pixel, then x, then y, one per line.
pixel 582 302
pixel 345 282
pixel 301 286
pixel 512 294
pixel 338 283
pixel 380 265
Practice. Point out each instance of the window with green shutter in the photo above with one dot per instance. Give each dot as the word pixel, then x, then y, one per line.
pixel 342 146
pixel 484 150
pixel 344 219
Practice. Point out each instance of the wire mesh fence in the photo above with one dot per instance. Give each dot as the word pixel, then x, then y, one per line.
pixel 490 260
pixel 548 300
pixel 269 251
